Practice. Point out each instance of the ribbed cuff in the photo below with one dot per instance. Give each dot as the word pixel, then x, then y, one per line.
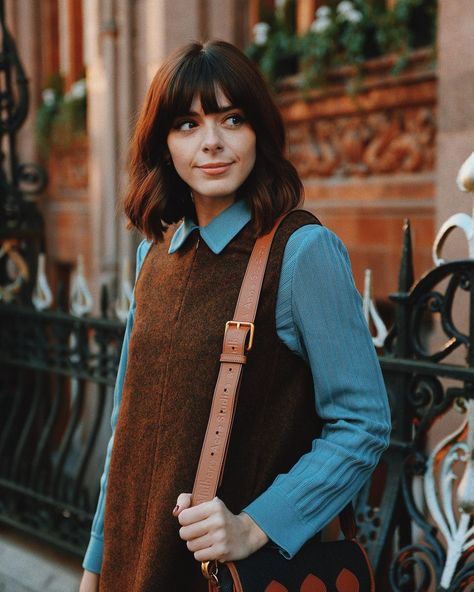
pixel 280 521
pixel 93 557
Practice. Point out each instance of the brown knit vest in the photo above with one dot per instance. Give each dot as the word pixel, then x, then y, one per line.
pixel 182 304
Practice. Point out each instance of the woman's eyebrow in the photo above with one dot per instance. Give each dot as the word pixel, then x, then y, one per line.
pixel 225 108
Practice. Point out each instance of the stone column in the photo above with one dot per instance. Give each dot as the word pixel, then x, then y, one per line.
pixel 305 10
pixel 167 24
pixel 222 18
pixel 64 30
pixel 49 39
pixel 98 95
pixel 456 113
pixel 111 85
pixel 126 108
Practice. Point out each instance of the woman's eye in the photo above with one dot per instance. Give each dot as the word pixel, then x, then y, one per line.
pixel 235 120
pixel 184 125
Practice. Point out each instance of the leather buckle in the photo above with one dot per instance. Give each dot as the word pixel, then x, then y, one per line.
pixel 247 324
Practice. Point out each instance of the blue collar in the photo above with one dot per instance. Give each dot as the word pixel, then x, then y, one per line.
pixel 220 230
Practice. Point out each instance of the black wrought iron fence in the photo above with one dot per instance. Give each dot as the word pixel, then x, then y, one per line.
pixel 57 372
pixel 420 529
pixel 415 516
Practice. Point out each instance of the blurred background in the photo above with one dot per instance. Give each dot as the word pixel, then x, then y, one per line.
pixel 378 101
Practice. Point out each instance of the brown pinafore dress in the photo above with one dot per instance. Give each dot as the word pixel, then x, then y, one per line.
pixel 183 301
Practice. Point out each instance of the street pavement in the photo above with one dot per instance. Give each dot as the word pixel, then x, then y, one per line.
pixel 27 565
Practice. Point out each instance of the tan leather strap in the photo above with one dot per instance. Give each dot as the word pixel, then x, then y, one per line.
pixel 238 339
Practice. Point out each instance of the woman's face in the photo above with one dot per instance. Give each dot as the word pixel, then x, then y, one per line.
pixel 212 153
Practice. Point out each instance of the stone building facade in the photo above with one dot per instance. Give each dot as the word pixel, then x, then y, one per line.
pixel 367 163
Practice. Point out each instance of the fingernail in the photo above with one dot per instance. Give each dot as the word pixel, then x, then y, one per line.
pixel 176 508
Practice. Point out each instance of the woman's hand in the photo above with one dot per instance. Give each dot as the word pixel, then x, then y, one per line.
pixel 211 531
pixel 89 582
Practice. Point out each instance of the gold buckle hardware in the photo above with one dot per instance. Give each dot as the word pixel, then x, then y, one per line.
pixel 239 324
pixel 209 570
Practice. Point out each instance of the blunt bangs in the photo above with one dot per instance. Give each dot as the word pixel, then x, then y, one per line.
pixel 201 73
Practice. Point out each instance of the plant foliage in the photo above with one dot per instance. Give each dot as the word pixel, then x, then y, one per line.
pixel 344 33
pixel 61 116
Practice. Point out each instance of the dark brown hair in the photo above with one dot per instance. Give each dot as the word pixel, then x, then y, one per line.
pixel 156 194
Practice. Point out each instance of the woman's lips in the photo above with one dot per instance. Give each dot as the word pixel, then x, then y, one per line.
pixel 215 168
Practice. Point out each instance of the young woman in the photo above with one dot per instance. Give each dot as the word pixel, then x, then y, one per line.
pixel 312 418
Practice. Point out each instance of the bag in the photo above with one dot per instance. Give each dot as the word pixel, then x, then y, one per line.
pixel 339 566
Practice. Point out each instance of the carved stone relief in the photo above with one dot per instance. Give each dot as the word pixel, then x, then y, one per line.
pixel 378 143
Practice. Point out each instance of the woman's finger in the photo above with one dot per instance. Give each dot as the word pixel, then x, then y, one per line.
pixel 195 530
pixel 212 553
pixel 199 512
pixel 182 503
pixel 200 543
pixel 202 511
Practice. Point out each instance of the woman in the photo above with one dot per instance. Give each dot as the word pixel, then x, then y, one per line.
pixel 312 418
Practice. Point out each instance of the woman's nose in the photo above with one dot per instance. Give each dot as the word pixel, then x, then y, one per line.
pixel 212 140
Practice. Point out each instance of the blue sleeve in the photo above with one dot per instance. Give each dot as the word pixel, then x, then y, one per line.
pixel 93 557
pixel 319 316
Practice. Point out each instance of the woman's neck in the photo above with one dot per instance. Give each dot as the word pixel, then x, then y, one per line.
pixel 208 208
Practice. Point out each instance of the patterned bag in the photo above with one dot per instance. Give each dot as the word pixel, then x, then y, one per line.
pixel 340 566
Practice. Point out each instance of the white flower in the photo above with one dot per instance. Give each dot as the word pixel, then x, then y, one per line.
pixel 344 7
pixel 353 16
pixel 78 89
pixel 49 97
pixel 323 12
pixel 260 33
pixel 465 178
pixel 320 25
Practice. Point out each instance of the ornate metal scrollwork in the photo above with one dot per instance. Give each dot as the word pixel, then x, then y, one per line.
pixel 20 219
pixel 450 505
pixel 435 520
pixel 425 393
pixel 428 300
pixel 10 257
pixel 32 178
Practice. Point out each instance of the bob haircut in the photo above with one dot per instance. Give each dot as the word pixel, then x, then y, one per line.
pixel 156 195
